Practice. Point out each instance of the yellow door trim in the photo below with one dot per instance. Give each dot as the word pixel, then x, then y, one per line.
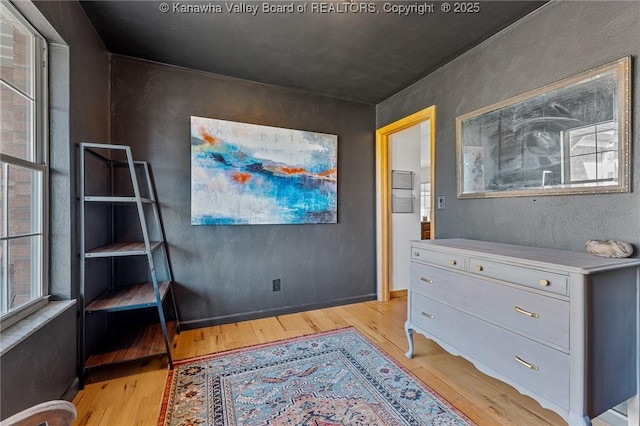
pixel 383 209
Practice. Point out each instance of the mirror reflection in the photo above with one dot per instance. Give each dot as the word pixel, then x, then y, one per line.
pixel 570 137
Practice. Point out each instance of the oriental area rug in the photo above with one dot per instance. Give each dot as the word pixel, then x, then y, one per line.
pixel 326 379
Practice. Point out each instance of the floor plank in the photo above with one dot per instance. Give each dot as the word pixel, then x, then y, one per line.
pixel 130 394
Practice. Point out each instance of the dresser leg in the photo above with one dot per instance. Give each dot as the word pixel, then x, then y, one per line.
pixel 633 410
pixel 409 331
pixel 578 420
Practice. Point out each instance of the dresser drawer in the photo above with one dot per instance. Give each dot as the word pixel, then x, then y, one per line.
pixel 539 368
pixel 454 261
pixel 534 315
pixel 546 281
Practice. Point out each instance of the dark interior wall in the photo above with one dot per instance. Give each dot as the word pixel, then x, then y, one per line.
pixel 225 273
pixel 43 366
pixel 559 40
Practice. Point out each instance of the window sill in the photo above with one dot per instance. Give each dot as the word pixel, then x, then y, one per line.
pixel 24 328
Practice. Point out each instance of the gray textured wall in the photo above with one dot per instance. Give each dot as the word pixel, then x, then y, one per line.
pixel 559 40
pixel 44 366
pixel 225 273
pixel 41 368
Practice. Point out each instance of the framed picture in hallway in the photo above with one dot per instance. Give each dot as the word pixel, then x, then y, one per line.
pixel 569 137
pixel 248 174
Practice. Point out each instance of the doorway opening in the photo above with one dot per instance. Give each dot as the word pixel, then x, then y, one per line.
pixel 397 145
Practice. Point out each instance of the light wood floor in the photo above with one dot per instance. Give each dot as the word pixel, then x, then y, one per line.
pixel 131 394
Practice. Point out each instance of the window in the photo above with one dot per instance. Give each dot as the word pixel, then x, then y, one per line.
pixel 425 201
pixel 23 167
pixel 592 153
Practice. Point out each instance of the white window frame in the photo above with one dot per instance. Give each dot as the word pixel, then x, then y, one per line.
pixel 40 163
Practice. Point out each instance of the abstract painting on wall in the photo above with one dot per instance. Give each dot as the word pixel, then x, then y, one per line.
pixel 251 174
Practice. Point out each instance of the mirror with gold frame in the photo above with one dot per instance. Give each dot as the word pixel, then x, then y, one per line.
pixel 570 137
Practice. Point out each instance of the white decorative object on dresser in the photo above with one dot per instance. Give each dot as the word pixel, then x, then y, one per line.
pixel 559 326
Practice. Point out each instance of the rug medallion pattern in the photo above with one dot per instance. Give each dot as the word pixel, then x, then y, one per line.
pixel 327 379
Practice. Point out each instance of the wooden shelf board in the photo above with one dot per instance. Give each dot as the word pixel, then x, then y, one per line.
pixel 130 345
pixel 122 249
pixel 125 297
pixel 115 199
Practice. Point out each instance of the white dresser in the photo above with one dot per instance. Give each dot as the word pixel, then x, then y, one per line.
pixel 561 327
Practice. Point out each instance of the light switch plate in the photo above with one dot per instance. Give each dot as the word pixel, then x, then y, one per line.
pixel 442 202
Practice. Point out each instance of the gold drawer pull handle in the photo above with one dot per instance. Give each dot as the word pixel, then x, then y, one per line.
pixel 527 313
pixel 416 253
pixel 424 314
pixel 544 282
pixel 525 363
pixel 426 280
pixel 478 268
pixel 452 261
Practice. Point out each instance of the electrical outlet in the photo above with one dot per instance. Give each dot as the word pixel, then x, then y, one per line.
pixel 442 202
pixel 276 285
